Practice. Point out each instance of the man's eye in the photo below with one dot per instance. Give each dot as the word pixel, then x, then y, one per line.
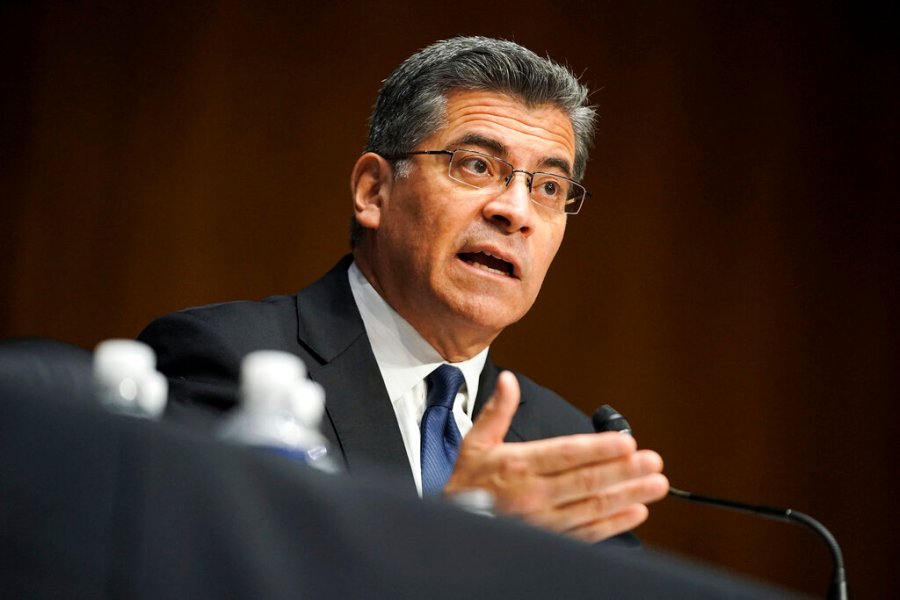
pixel 550 189
pixel 476 166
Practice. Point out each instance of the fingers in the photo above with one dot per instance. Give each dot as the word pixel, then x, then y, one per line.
pixel 492 424
pixel 604 488
pixel 621 522
pixel 579 483
pixel 588 502
pixel 589 486
pixel 627 516
pixel 608 506
pixel 556 455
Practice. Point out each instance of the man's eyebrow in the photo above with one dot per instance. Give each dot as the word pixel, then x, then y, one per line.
pixel 485 143
pixel 559 163
pixel 497 149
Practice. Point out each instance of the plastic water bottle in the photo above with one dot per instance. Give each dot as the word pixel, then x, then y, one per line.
pixel 281 410
pixel 126 379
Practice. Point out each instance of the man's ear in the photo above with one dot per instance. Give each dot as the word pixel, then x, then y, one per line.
pixel 370 184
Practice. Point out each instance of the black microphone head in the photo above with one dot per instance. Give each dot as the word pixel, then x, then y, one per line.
pixel 606 418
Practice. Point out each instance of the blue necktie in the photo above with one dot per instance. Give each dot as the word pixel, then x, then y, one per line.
pixel 440 436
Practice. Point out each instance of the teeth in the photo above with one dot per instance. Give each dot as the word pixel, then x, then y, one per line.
pixel 485 267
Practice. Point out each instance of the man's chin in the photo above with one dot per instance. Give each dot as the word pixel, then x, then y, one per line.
pixel 488 312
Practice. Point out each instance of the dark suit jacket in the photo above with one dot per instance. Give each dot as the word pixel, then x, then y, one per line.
pixel 200 350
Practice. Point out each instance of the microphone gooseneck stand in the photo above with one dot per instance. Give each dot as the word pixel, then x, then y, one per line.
pixel 607 418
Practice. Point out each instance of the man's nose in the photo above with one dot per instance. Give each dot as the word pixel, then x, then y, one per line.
pixel 511 206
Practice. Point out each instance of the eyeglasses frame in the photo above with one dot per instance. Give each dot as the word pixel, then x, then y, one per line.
pixel 530 174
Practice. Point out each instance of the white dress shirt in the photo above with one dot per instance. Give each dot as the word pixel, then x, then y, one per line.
pixel 405 359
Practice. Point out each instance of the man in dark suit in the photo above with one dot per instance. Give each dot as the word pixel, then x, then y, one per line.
pixel 476 147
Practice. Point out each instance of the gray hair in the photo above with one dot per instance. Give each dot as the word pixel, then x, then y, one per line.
pixel 411 104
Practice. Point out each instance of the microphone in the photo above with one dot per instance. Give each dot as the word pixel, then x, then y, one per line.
pixel 606 418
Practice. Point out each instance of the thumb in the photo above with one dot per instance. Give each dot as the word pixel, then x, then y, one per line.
pixel 492 424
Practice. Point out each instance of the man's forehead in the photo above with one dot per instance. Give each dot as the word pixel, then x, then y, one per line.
pixel 502 123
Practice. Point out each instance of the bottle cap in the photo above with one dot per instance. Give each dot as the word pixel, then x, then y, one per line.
pixel 120 366
pixel 267 377
pixel 115 360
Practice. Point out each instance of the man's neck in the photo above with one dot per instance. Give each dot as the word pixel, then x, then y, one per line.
pixel 404 357
pixel 454 341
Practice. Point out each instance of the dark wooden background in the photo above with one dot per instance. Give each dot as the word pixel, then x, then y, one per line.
pixel 732 287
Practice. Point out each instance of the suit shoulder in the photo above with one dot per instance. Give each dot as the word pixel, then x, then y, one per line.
pixel 244 324
pixel 200 349
pixel 278 306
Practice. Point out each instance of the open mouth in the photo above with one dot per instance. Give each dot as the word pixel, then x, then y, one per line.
pixel 488 262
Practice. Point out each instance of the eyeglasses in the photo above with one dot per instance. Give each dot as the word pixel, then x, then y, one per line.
pixel 483 171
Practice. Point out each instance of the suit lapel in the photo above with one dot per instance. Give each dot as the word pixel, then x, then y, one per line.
pixel 357 403
pixel 486 385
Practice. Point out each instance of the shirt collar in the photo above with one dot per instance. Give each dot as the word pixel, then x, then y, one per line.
pixel 402 354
